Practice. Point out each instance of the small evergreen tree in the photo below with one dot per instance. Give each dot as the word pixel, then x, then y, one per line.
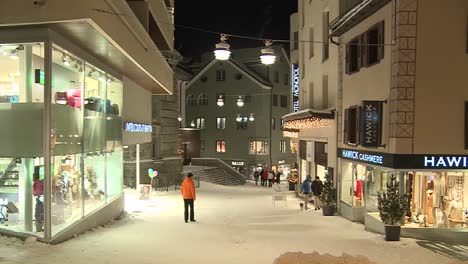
pixel 392 205
pixel 328 195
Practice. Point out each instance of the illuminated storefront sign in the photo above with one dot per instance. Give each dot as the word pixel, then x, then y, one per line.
pixel 445 161
pixel 356 155
pixel 133 127
pixel 371 123
pixel 295 87
pixel 237 163
pixel 406 161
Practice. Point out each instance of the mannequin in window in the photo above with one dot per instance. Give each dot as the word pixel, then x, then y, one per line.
pixel 438 198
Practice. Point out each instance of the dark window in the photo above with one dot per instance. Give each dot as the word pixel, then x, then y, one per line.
pixel 204 79
pixel 220 123
pixel 353 56
pixel 248 98
pixel 375 39
pixel 238 76
pixel 311 44
pixel 284 101
pixel 296 40
pixel 191 100
pixel 202 99
pixel 275 100
pixel 303 149
pixel 325 27
pixel 276 76
pixel 286 79
pixel 220 75
pixel 273 123
pixel 351 126
pixel 243 123
pixel 220 146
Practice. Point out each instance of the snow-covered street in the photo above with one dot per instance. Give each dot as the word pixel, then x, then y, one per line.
pixel 234 225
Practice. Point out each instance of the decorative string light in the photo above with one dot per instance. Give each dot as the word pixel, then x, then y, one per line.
pixel 310 122
pixel 290 134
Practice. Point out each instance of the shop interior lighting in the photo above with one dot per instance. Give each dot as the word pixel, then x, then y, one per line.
pixel 2 52
pixel 66 61
pixel 102 78
pixel 220 101
pixel 238 118
pixel 14 54
pixel 240 102
pixel 251 118
pixel 268 54
pixel 222 51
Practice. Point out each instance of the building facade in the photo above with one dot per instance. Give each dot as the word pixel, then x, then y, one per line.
pixel 312 122
pixel 74 93
pixel 402 110
pixel 237 104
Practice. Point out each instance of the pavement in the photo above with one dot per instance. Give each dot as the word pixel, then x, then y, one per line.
pixel 235 224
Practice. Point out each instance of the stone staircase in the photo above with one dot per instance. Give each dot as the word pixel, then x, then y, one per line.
pixel 216 176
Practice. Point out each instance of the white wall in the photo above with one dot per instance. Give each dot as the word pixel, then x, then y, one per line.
pixel 137 108
pixel 373 82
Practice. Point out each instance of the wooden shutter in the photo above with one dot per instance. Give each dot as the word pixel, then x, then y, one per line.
pixel 358 124
pixel 347 59
pixel 466 124
pixel 359 43
pixel 345 126
pixel 364 49
pixel 381 40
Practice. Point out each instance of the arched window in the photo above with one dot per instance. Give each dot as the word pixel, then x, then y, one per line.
pixel 202 99
pixel 191 100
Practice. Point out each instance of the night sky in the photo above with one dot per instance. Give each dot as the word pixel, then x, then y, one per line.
pixel 256 18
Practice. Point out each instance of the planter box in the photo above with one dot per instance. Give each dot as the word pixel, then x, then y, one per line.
pixel 328 210
pixel 392 233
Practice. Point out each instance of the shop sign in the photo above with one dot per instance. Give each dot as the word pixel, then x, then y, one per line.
pixel 281 162
pixel 134 127
pixel 371 123
pixel 295 87
pixel 364 157
pixel 445 161
pixel 237 163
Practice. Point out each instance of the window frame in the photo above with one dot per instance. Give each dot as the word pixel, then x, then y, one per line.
pixel 200 123
pixel 222 146
pixel 284 103
pixel 326 35
pixel 243 124
pixel 311 44
pixel 275 100
pixel 349 127
pixel 191 100
pixel 202 99
pixel 283 146
pixel 220 120
pixel 220 75
pixel 264 146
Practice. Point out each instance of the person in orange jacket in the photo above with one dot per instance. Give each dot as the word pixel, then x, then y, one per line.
pixel 187 189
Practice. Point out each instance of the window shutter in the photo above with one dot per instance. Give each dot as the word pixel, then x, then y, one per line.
pixel 381 40
pixel 345 126
pixel 466 125
pixel 358 124
pixel 347 59
pixel 364 49
pixel 359 54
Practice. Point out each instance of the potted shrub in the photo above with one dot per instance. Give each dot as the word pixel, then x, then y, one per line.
pixel 392 207
pixel 328 198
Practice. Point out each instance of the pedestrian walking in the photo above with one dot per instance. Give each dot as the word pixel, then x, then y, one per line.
pixel 317 187
pixel 271 176
pixel 188 194
pixel 278 175
pixel 256 176
pixel 260 174
pixel 306 190
pixel 265 178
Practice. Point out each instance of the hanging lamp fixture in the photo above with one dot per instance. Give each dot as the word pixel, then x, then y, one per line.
pixel 222 51
pixel 268 54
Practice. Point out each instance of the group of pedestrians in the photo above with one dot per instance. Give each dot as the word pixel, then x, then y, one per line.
pixel 267 178
pixel 312 189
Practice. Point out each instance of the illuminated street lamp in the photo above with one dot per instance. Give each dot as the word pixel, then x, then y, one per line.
pixel 238 118
pixel 268 54
pixel 240 102
pixel 220 101
pixel 222 51
pixel 251 118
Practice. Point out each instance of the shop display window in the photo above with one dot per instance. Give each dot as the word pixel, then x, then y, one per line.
pixel 437 199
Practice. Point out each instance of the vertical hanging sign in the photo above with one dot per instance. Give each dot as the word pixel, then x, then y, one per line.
pixel 295 87
pixel 371 123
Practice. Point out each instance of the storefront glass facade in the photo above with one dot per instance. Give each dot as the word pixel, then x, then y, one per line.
pixel 85 138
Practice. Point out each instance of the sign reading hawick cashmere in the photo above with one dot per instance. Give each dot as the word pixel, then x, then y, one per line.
pixel 371 123
pixel 406 161
pixel 133 127
pixel 295 87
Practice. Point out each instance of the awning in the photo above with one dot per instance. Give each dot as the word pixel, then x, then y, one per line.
pixel 308 118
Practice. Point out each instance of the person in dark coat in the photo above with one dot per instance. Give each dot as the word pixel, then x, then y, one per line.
pixel 265 178
pixel 317 187
pixel 261 177
pixel 256 176
pixel 306 190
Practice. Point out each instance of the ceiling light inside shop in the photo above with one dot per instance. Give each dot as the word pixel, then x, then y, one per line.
pixel 102 78
pixel 14 54
pixel 66 61
pixel 2 52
